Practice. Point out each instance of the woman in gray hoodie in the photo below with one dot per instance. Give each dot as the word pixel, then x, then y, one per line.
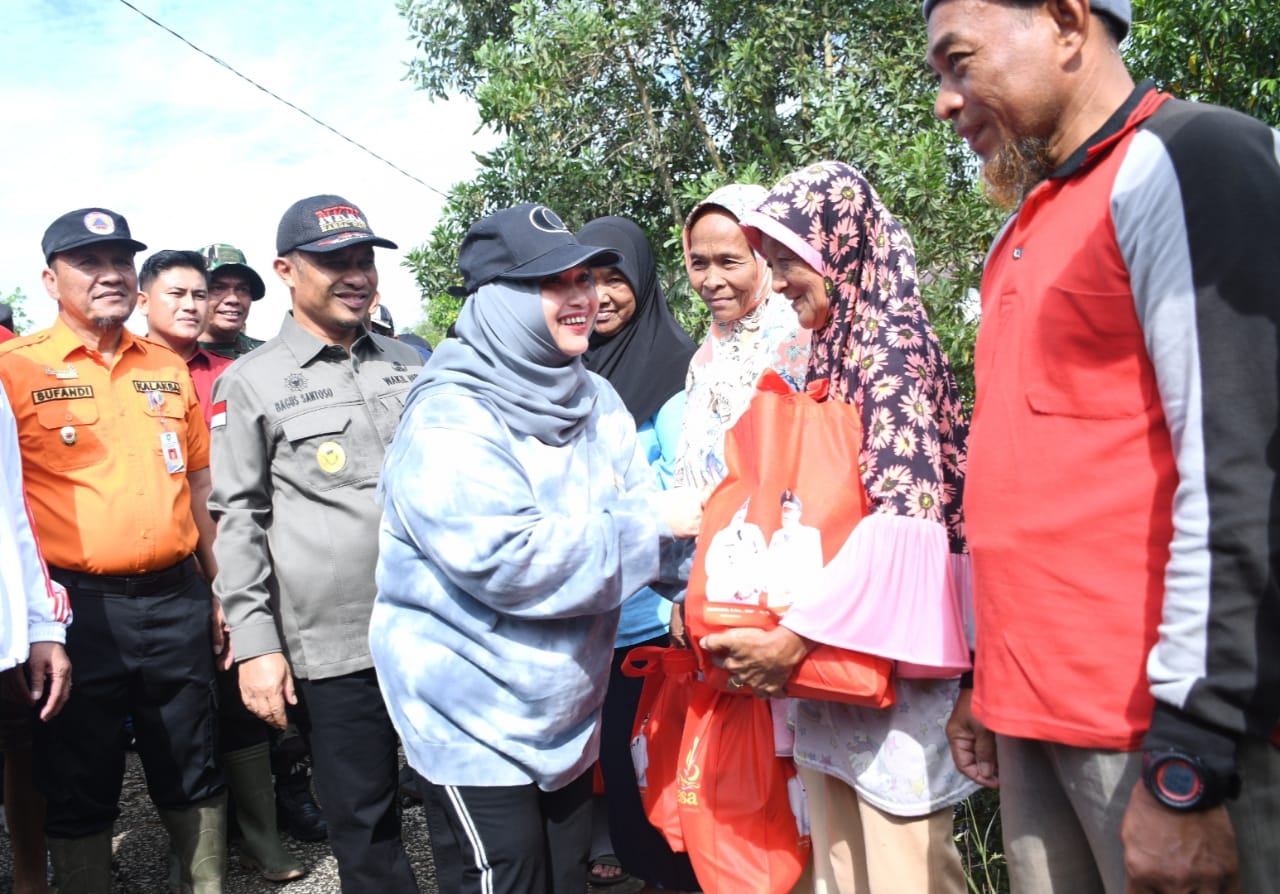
pixel 518 516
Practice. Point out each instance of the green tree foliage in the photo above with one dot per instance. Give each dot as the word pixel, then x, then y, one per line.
pixel 17 301
pixel 1219 52
pixel 642 107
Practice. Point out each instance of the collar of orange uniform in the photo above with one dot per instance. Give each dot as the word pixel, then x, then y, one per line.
pixel 65 341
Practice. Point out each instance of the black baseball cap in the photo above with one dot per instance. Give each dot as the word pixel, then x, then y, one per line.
pixel 524 242
pixel 324 223
pixel 85 226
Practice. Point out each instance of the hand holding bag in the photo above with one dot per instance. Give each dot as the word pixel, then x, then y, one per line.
pixel 790 500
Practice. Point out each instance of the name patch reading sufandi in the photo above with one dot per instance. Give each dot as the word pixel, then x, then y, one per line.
pixel 142 386
pixel 62 392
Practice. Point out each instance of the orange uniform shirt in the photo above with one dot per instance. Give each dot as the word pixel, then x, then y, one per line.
pixel 106 449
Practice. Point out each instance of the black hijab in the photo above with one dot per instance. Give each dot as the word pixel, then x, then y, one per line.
pixel 647 360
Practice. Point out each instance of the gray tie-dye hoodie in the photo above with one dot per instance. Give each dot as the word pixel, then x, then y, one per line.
pixel 503 563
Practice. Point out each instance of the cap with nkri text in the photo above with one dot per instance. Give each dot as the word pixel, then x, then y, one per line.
pixel 324 223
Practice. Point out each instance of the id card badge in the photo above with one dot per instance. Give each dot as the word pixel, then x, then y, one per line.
pixel 171 447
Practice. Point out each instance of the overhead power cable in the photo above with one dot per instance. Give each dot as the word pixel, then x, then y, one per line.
pixel 281 99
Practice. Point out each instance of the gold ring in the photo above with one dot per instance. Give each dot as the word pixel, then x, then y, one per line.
pixel 735 683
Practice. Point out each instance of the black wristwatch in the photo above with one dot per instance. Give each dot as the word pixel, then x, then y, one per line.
pixel 1180 780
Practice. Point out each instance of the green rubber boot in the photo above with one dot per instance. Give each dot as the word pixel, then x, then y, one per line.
pixel 253 793
pixel 198 836
pixel 82 865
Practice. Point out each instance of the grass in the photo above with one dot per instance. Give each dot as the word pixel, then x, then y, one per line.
pixel 977 834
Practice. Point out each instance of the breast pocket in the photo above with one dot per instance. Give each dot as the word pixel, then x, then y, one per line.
pixel 394 400
pixel 70 435
pixel 170 433
pixel 323 451
pixel 1090 358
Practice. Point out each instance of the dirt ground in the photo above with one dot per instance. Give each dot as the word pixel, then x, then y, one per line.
pixel 141 843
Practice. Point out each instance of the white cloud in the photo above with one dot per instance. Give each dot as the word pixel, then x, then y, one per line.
pixel 102 107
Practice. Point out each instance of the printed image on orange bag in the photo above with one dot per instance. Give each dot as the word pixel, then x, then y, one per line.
pixel 789 501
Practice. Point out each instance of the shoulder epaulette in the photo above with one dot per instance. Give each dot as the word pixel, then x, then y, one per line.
pixel 22 341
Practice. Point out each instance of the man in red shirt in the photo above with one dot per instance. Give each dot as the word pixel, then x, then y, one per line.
pixel 1123 488
pixel 173 294
pixel 174 297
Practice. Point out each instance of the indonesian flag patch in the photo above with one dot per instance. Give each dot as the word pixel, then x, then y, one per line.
pixel 219 417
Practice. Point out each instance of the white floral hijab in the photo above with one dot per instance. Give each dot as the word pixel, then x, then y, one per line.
pixel 724 371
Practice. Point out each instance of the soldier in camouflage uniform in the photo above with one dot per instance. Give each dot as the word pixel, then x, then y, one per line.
pixel 233 286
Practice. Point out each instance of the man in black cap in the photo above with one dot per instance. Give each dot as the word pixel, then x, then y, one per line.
pixel 115 455
pixel 233 286
pixel 300 427
pixel 1120 504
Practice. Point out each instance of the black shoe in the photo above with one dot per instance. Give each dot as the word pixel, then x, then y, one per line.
pixel 296 810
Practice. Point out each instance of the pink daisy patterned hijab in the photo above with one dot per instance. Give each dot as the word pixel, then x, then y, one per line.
pixel 877 349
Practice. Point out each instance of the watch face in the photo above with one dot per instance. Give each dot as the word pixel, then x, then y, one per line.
pixel 1178 782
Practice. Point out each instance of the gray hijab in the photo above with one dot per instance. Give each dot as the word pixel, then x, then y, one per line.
pixel 505 354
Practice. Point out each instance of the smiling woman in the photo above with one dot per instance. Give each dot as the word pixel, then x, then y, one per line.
pixel 752 329
pixel 881 783
pixel 569 304
pixel 517 518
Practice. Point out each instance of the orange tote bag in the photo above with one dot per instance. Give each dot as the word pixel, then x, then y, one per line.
pixel 790 499
pixel 742 807
pixel 670 677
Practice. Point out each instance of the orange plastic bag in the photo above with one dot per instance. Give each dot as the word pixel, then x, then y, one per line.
pixel 670 677
pixel 790 499
pixel 742 807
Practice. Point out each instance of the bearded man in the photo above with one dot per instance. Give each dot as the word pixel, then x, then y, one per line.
pixel 1122 496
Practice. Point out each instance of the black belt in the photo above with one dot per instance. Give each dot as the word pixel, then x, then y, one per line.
pixel 126 585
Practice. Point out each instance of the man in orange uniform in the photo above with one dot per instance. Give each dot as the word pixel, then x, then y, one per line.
pixel 116 467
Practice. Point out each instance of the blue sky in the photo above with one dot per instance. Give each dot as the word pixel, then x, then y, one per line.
pixel 101 107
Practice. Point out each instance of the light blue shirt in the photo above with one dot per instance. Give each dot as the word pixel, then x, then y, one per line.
pixel 647 614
